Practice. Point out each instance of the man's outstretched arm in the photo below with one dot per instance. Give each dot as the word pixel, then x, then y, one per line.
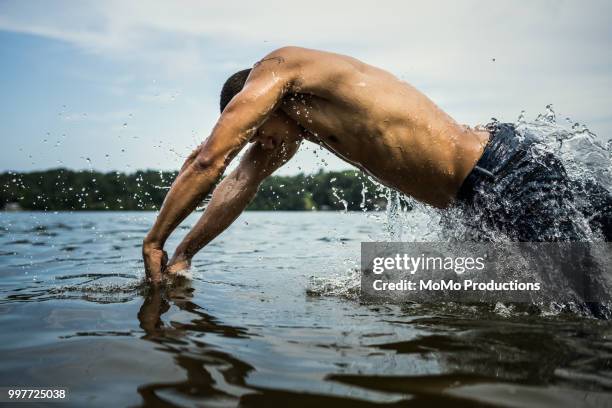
pixel 240 119
pixel 232 196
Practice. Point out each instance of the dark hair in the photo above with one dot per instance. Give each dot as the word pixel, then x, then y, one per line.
pixel 232 86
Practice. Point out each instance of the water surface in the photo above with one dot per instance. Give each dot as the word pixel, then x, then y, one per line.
pixel 270 318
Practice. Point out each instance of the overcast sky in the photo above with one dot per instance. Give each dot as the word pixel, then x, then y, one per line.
pixel 120 85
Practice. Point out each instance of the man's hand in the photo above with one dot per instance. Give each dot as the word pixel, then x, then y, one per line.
pixel 178 263
pixel 155 260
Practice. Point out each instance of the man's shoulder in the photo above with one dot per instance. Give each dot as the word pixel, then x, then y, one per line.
pixel 310 70
pixel 292 50
pixel 294 55
pixel 309 61
pixel 288 57
pixel 285 59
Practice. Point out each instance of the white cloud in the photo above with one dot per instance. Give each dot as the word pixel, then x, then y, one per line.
pixel 399 34
pixel 549 51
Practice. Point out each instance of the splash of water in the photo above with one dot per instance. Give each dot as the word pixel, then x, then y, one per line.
pixel 584 156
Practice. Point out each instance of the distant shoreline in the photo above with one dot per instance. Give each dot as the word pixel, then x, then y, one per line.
pixel 153 211
pixel 68 190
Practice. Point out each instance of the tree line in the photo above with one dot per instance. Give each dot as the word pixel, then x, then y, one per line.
pixel 68 190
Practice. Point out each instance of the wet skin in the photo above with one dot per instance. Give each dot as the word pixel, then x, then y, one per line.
pixel 361 113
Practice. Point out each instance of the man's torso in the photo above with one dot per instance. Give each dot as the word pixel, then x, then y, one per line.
pixel 380 124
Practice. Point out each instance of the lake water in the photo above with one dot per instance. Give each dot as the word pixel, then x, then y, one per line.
pixel 270 318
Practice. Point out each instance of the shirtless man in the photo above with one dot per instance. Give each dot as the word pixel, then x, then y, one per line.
pixel 361 113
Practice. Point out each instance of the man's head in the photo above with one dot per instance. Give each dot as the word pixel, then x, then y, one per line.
pixel 271 133
pixel 232 86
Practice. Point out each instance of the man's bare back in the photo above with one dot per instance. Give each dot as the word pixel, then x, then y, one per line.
pixel 361 113
pixel 378 123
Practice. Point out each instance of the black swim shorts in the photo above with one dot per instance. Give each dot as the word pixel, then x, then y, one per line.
pixel 521 190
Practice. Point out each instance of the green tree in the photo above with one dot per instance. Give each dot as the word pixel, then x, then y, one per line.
pixel 62 189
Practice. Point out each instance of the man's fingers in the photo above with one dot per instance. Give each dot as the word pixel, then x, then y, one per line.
pixel 152 270
pixel 155 261
pixel 177 267
pixel 155 277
